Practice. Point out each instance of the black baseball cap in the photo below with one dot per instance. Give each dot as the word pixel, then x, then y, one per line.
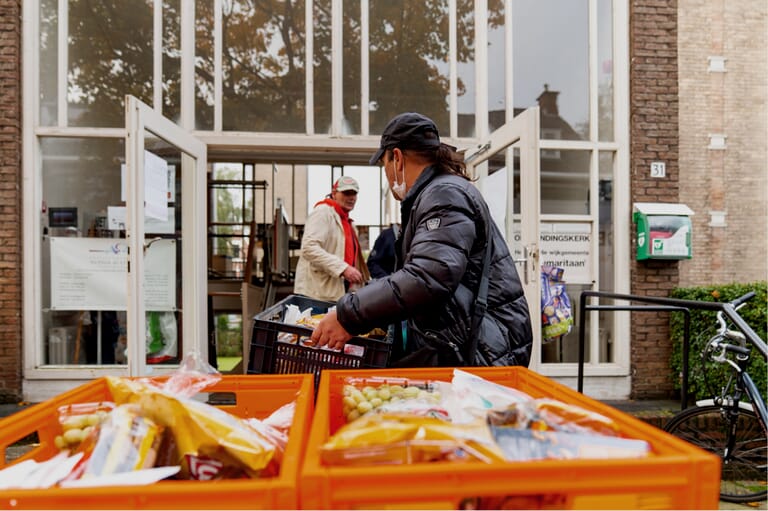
pixel 407 131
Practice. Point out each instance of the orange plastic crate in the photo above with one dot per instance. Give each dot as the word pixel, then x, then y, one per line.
pixel 676 476
pixel 253 396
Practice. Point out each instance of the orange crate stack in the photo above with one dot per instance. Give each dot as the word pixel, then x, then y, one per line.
pixel 675 476
pixel 252 397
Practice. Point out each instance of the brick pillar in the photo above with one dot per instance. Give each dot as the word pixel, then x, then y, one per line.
pixel 10 200
pixel 653 137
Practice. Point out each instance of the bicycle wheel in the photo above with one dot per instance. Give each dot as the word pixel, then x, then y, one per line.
pixel 743 477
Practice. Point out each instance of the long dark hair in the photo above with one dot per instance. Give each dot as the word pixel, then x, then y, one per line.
pixel 444 157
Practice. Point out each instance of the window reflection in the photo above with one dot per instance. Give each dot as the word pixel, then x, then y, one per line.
pixel 75 211
pixel 204 70
pixel 110 55
pixel 351 72
pixel 321 60
pixel 171 63
pixel 605 69
pixel 551 47
pixel 49 64
pixel 607 321
pixel 465 58
pixel 409 60
pixel 263 66
pixel 564 181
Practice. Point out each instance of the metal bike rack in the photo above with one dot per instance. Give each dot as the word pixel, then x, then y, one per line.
pixel 664 304
pixel 661 305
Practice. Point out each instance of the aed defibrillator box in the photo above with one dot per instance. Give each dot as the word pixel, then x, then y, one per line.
pixel 663 230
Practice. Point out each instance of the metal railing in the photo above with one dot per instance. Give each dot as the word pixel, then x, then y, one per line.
pixel 659 305
pixel 664 304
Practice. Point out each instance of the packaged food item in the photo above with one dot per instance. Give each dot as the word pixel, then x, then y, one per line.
pixel 127 441
pixel 553 415
pixel 394 395
pixel 474 397
pixel 556 310
pixel 526 444
pixel 78 421
pixel 406 438
pixel 199 430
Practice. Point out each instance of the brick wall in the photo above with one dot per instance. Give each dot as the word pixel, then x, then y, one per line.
pixel 10 200
pixel 653 137
pixel 733 103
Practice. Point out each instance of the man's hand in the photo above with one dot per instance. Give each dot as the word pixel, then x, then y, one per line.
pixel 330 332
pixel 352 275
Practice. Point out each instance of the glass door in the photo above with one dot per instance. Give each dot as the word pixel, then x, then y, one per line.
pixel 506 167
pixel 165 179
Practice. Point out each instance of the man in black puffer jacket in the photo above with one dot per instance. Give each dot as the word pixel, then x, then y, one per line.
pixel 446 230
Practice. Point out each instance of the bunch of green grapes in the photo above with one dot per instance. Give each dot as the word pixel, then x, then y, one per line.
pixel 76 428
pixel 359 401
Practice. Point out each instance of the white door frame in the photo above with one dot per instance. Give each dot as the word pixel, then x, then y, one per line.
pixel 140 118
pixel 522 132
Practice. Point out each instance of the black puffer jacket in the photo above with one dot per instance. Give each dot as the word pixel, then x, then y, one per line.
pixel 439 263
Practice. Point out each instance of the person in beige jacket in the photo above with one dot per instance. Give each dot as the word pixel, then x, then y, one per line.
pixel 331 261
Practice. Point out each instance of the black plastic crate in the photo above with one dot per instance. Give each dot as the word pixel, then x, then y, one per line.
pixel 271 356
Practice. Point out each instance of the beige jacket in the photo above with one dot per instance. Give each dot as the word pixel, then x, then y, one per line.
pixel 321 262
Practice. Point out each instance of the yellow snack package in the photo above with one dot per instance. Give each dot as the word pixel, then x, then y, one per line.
pixel 199 430
pixel 403 439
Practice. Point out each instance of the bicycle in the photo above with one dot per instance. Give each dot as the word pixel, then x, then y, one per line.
pixel 728 425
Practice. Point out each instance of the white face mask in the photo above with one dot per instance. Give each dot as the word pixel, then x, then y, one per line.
pixel 398 189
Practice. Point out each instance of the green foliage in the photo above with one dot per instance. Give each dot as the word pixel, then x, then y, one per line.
pixel 704 379
pixel 229 335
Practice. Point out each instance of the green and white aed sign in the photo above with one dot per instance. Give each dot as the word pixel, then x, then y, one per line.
pixel 663 230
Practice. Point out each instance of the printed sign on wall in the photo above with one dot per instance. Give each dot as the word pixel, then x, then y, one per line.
pixel 91 274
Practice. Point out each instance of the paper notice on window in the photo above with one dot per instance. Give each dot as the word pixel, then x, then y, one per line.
pixel 155 187
pixel 159 187
pixel 116 220
pixel 92 274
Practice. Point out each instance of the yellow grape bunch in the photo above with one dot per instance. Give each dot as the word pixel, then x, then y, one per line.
pixel 356 402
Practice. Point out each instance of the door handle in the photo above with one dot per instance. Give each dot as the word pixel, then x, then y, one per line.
pixel 532 270
pixel 524 260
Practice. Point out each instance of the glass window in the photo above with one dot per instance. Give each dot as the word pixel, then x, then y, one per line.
pixel 263 66
pixel 465 63
pixel 565 182
pixel 497 61
pixel 49 62
pixel 407 53
pixel 171 59
pixel 606 242
pixel 351 69
pixel 551 50
pixel 204 65
pixel 81 178
pixel 110 55
pixel 321 59
pixel 605 69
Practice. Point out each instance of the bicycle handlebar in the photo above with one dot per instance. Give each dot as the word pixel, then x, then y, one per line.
pixel 730 310
pixel 738 303
pixel 743 299
pixel 736 349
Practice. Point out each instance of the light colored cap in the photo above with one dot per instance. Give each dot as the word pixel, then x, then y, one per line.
pixel 346 183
